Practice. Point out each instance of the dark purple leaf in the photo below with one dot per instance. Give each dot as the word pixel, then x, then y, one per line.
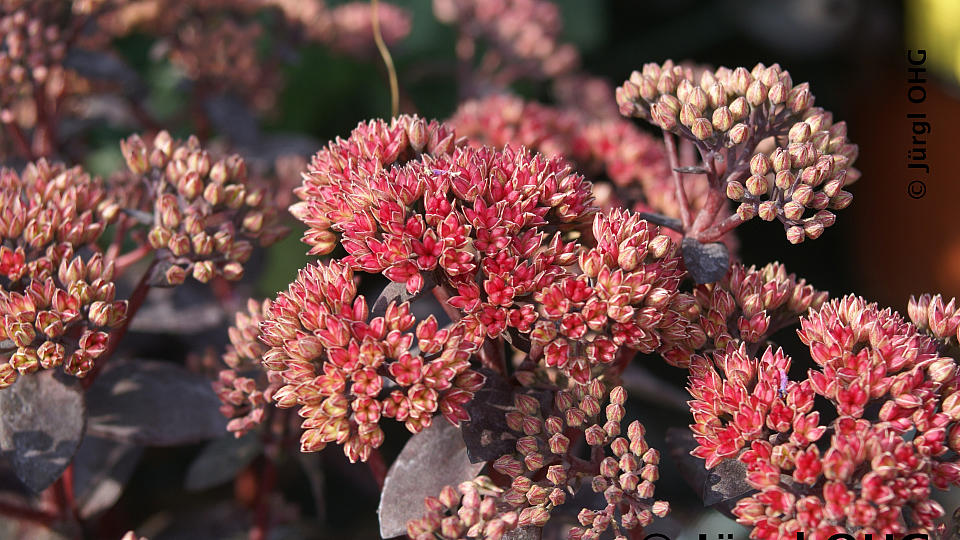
pixel 483 433
pixel 221 459
pixel 397 292
pixel 720 487
pixel 154 404
pixel 105 66
pixel 41 423
pixel 232 118
pixel 431 459
pixel 705 262
pixel 101 469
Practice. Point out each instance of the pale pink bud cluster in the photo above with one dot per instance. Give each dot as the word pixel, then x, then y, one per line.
pixel 474 509
pixel 219 45
pixel 346 369
pixel 350 26
pixel 57 296
pixel 544 469
pixel 786 160
pixel 748 305
pixel 206 214
pixel 245 388
pixel 895 436
pixel 931 315
pixel 523 36
pixel 33 79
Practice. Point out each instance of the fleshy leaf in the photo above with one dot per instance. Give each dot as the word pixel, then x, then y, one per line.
pixel 487 409
pixel 720 487
pixel 41 423
pixel 397 292
pixel 431 459
pixel 154 404
pixel 221 459
pixel 706 263
pixel 101 469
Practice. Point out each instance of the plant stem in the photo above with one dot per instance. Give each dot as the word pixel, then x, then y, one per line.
pixel 68 492
pixel 677 180
pixel 19 140
pixel 27 514
pixel 716 232
pixel 387 59
pixel 268 478
pixel 122 262
pixel 377 467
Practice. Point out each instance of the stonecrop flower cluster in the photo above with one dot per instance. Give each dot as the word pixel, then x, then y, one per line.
pixel 501 270
pixel 540 284
pixel 56 289
pixel 871 469
pixel 763 142
pixel 204 214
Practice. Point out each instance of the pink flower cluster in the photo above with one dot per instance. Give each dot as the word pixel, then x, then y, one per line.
pixel 346 369
pixel 244 388
pixel 872 469
pixel 56 288
pixel 521 36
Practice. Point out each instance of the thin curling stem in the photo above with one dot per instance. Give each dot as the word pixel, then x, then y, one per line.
pixel 387 59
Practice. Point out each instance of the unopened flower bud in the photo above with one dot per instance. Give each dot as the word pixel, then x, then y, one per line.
pixel 722 119
pixel 795 234
pixel 701 129
pixel 203 271
pixel 738 133
pixel 767 210
pixel 757 185
pixel 747 211
pixel 756 93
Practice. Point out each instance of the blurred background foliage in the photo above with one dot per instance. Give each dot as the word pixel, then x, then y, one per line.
pixel 886 247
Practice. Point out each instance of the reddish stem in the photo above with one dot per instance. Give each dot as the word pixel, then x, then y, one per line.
pixel 133 305
pixel 122 262
pixel 268 478
pixel 716 232
pixel 677 180
pixel 377 467
pixel 27 514
pixel 715 200
pixel 68 492
pixel 19 140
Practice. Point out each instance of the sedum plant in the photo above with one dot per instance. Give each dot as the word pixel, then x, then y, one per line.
pixel 479 291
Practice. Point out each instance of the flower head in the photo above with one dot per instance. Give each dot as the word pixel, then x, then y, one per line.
pixel 57 297
pixel 346 368
pixel 523 34
pixel 894 401
pixel 205 214
pixel 544 469
pixel 788 160
pixel 245 387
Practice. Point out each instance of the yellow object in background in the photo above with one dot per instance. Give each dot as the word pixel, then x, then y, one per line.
pixel 934 25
